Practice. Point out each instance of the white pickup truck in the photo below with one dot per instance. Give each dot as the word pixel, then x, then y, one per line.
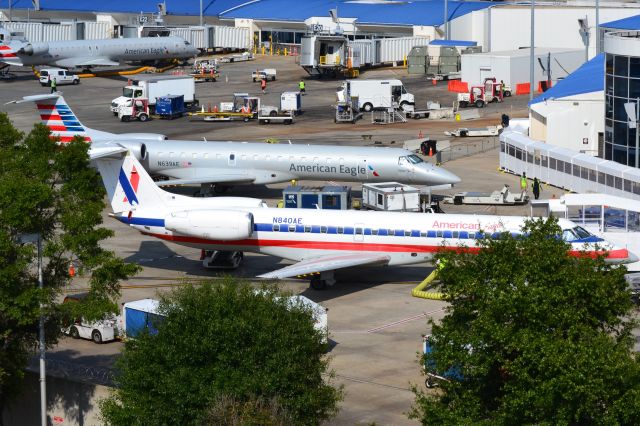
pixel 266 74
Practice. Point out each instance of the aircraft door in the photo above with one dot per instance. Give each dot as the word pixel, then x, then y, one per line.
pixel 358 232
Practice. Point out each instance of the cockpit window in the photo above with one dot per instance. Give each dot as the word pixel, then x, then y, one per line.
pixel 581 232
pixel 415 159
pixel 568 235
pixel 186 43
pixel 575 233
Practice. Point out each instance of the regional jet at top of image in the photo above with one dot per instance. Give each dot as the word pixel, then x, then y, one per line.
pixel 92 53
pixel 241 163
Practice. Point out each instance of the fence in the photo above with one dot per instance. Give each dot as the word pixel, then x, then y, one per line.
pixel 467 149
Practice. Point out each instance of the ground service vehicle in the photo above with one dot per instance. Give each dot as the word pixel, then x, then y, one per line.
pixel 103 330
pixel 378 94
pixel 140 315
pixel 264 74
pixel 152 87
pixel 134 109
pixel 61 76
pixel 479 96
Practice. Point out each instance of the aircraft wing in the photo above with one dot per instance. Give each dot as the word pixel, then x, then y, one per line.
pixel 220 177
pixel 90 61
pixel 329 262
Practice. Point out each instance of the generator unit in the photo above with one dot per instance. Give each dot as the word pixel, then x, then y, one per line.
pixel 390 196
pixel 328 197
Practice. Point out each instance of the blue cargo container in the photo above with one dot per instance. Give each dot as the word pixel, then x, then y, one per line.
pixel 170 106
pixel 141 315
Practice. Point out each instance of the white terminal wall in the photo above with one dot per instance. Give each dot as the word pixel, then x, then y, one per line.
pixel 574 122
pixel 500 28
pixel 513 66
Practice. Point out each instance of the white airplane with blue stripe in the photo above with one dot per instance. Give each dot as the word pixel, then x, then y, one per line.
pixel 319 242
pixel 225 164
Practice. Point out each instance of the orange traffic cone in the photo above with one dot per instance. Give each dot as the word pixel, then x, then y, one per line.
pixel 72 270
pixel 430 152
pixel 434 81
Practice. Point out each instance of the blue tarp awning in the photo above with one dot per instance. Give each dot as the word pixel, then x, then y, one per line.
pixel 630 23
pixel 586 79
pixel 453 43
pixel 174 7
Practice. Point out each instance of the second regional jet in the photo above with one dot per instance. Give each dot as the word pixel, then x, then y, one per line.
pixel 225 164
pixel 318 241
pixel 92 53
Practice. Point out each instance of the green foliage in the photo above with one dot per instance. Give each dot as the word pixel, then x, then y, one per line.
pixel 224 339
pixel 249 412
pixel 540 336
pixel 53 192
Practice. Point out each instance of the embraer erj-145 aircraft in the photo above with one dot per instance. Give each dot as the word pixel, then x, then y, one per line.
pixel 92 53
pixel 237 163
pixel 319 241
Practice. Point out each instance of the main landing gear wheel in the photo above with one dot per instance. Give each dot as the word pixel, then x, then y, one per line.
pixel 318 283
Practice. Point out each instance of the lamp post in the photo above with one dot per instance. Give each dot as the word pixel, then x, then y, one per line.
pixel 200 12
pixel 532 53
pixel 36 238
pixel 446 19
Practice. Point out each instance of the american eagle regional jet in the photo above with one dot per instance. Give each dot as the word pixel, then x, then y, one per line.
pixel 225 164
pixel 318 241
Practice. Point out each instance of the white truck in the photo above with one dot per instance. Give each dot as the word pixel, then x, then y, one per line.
pixel 378 94
pixel 266 74
pixel 151 87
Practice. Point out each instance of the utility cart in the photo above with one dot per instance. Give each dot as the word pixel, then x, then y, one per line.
pixel 134 109
pixel 502 197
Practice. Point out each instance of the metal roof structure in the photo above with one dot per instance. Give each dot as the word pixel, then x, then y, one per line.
pixel 630 23
pixel 417 12
pixel 455 43
pixel 586 79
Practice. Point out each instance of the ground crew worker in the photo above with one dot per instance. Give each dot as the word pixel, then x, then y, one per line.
pixel 54 85
pixel 502 89
pixel 301 86
pixel 263 84
pixel 536 188
pixel 523 182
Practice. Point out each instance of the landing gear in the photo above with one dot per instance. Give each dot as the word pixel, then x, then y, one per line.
pixel 320 282
pixel 218 259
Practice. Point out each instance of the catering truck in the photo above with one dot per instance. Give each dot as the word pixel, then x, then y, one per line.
pixel 152 87
pixel 378 94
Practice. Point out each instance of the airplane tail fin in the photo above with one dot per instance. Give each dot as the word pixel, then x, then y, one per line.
pixel 8 55
pixel 128 184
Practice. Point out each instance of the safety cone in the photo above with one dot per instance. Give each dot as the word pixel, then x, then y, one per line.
pixel 72 270
pixel 434 81
pixel 420 136
pixel 430 152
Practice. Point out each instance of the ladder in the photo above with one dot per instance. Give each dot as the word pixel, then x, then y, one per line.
pixel 388 116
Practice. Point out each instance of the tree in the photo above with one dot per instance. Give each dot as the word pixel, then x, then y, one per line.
pixel 224 339
pixel 55 193
pixel 538 335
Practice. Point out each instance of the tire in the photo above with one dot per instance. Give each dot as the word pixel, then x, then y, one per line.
pixel 428 382
pixel 96 336
pixel 43 84
pixel 479 103
pixel 288 122
pixel 245 119
pixel 273 113
pixel 143 117
pixel 125 118
pixel 76 82
pixel 254 80
pixel 367 107
pixel 403 105
pixel 73 332
pixel 507 94
pixel 463 104
pixel 318 284
pixel 273 78
pixel 115 114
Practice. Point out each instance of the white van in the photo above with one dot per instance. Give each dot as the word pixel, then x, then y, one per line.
pixel 61 76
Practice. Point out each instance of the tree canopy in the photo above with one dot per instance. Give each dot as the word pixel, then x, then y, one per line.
pixel 538 336
pixel 225 341
pixel 52 191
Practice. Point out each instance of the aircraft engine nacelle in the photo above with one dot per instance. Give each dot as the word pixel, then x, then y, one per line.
pixel 30 49
pixel 138 149
pixel 147 136
pixel 226 225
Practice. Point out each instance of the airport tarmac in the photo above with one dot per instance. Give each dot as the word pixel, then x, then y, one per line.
pixel 375 324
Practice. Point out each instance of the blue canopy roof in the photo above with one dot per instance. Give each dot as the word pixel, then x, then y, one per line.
pixel 174 7
pixel 429 12
pixel 630 23
pixel 453 43
pixel 586 79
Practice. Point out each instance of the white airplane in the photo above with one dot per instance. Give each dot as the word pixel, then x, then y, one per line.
pixel 240 163
pixel 91 53
pixel 318 241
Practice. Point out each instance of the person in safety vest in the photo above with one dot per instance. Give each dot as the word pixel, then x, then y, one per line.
pixel 523 182
pixel 301 86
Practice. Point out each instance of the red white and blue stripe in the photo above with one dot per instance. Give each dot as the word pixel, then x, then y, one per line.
pixel 62 122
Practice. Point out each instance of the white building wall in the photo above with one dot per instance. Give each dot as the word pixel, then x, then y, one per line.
pixel 572 122
pixel 556 26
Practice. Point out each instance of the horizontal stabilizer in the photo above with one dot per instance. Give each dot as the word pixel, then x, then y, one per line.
pixel 328 262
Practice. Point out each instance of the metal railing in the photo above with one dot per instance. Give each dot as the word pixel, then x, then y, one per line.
pixel 469 148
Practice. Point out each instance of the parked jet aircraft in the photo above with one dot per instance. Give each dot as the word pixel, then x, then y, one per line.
pixel 91 53
pixel 319 241
pixel 234 163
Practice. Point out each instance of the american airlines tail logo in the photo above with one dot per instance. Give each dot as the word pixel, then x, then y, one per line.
pixel 7 52
pixel 129 185
pixel 372 170
pixel 61 121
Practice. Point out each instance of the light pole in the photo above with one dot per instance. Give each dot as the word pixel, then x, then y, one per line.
pixel 36 238
pixel 532 49
pixel 446 19
pixel 200 12
pixel 597 27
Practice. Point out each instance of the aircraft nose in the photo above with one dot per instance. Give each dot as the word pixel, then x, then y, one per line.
pixel 438 176
pixel 621 255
